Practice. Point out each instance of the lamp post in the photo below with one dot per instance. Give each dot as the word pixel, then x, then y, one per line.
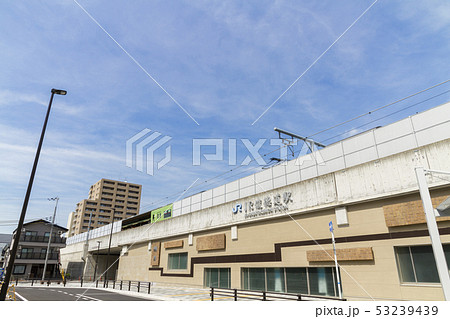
pixel 50 237
pixel 16 239
pixel 96 261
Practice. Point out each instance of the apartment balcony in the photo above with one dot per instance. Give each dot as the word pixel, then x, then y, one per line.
pixel 42 239
pixel 37 256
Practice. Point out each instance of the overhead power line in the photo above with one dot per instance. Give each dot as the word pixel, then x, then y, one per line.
pixel 220 176
pixel 378 109
pixel 383 117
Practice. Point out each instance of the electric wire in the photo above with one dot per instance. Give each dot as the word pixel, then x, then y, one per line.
pixel 203 183
pixel 388 115
pixel 210 179
pixel 379 108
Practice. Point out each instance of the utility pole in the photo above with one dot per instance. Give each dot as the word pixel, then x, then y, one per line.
pixel 86 247
pixel 50 237
pixel 433 230
pixel 338 277
pixel 16 239
pixel 96 262
pixel 109 247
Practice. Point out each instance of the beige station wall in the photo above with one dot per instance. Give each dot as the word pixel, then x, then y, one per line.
pixel 361 280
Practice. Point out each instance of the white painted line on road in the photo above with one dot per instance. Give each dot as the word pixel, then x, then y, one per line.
pixel 21 297
pixel 87 297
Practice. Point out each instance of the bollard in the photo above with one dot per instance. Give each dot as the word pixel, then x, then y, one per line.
pixel 114 284
pixel 96 284
pixel 121 285
pixel 264 296
pixel 299 298
pixel 235 294
pixel 81 282
pixel 139 286
pixel 149 284
pixel 212 293
pixel 129 285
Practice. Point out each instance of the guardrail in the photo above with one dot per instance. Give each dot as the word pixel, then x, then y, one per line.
pixel 237 294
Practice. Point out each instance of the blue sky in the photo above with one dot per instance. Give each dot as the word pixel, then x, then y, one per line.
pixel 224 62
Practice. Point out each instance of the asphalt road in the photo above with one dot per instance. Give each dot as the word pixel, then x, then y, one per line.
pixel 70 294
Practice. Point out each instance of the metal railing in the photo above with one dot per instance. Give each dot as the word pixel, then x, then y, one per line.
pixel 42 239
pixel 52 256
pixel 237 294
pixel 128 285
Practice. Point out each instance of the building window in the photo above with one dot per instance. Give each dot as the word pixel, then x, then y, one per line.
pixel 178 261
pixel 30 233
pixel 311 281
pixel 416 264
pixel 217 277
pixel 19 269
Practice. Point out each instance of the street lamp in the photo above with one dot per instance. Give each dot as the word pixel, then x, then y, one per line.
pixel 16 239
pixel 50 236
pixel 96 261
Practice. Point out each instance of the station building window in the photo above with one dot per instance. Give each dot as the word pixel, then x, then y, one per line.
pixel 178 261
pixel 311 281
pixel 217 277
pixel 416 264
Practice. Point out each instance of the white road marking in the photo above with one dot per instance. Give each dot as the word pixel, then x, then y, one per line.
pixel 21 297
pixel 87 297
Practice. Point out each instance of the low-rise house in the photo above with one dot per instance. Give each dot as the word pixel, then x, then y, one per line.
pixel 32 250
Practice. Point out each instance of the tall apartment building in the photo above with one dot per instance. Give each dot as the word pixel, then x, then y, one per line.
pixel 105 196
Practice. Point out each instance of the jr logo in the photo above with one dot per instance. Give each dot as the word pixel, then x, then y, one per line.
pixel 237 209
